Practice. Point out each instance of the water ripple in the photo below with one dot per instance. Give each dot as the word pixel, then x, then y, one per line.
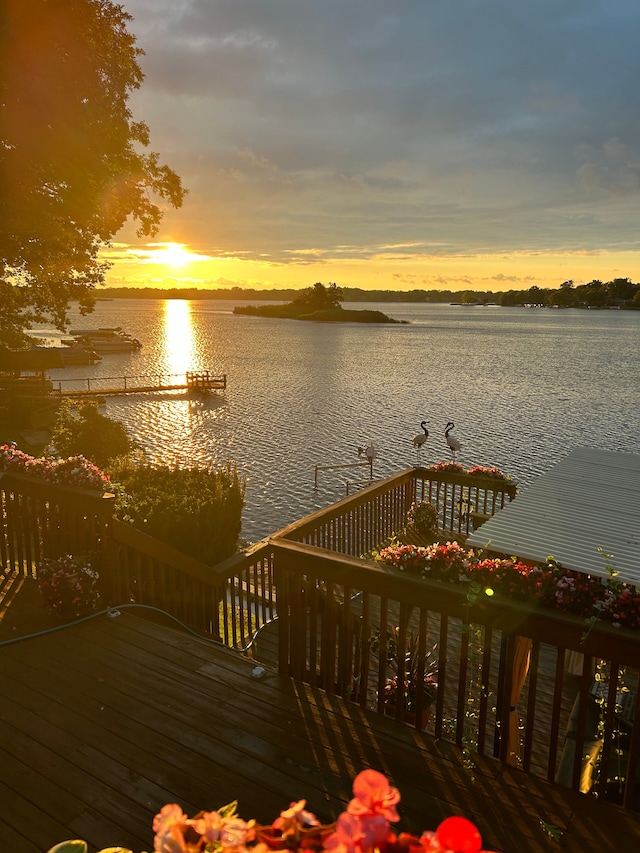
pixel 523 387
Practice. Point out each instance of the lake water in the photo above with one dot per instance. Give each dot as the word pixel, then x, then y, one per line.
pixel 523 386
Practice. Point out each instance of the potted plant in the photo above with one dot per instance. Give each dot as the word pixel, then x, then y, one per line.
pixel 422 517
pixel 413 684
pixel 69 586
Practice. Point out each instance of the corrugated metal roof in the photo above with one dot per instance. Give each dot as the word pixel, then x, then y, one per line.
pixel 587 501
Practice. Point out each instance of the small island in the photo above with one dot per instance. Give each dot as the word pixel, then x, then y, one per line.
pixel 318 303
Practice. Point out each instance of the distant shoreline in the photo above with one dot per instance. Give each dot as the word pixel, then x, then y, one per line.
pixel 535 298
pixel 283 295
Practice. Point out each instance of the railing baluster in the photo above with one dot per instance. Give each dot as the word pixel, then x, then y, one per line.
pixel 328 605
pixel 531 704
pixel 555 715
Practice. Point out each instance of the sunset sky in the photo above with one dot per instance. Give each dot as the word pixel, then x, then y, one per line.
pixel 391 144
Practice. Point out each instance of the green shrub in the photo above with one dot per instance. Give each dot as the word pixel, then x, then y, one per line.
pixel 196 510
pixel 81 430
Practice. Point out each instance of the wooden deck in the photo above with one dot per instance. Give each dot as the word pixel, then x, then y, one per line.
pixel 265 650
pixel 105 721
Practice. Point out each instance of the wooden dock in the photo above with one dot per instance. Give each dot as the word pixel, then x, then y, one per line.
pixel 197 383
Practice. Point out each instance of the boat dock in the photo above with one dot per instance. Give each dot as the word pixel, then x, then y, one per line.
pixel 193 382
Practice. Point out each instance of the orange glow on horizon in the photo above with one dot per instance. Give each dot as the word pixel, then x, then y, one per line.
pixel 174 255
pixel 174 265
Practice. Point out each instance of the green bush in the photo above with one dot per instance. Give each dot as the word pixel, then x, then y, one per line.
pixel 81 430
pixel 196 510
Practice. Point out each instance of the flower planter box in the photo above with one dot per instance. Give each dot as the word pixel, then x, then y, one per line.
pixel 36 487
pixel 474 481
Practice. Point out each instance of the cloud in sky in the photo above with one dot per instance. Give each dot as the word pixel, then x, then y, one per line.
pixel 454 138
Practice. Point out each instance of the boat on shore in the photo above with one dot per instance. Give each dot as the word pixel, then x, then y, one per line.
pixel 106 339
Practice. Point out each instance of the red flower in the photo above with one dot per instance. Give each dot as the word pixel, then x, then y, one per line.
pixel 459 835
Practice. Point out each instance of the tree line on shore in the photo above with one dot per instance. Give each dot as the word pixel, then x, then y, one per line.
pixel 617 293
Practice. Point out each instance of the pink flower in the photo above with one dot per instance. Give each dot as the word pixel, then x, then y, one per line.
pixel 73 471
pixel 346 836
pixel 234 833
pixel 374 795
pixel 169 827
pixel 374 831
pixel 362 828
pixel 294 818
pixel 357 834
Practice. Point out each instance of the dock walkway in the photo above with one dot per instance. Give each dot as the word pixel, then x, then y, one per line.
pixel 194 382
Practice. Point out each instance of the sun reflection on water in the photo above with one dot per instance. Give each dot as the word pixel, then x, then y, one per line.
pixel 179 344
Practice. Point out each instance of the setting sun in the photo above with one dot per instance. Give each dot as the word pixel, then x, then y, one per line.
pixel 175 255
pixel 172 255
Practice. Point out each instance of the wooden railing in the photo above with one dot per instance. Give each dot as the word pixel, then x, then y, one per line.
pixel 229 601
pixel 335 609
pixel 234 599
pixel 360 523
pixel 41 519
pixel 463 501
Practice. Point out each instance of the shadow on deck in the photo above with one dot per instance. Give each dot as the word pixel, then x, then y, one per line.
pixel 264 649
pixel 109 719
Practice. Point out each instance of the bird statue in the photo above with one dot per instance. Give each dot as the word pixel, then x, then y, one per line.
pixel 421 437
pixel 452 441
pixel 368 451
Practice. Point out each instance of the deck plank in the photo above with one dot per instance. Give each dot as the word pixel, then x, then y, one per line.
pixel 107 720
